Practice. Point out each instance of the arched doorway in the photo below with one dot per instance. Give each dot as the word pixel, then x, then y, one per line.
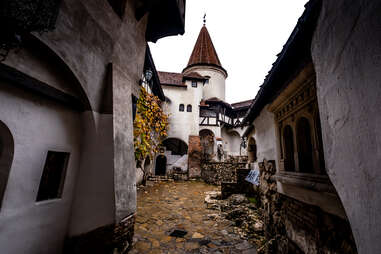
pixel 252 150
pixel 175 146
pixel 161 165
pixel 207 142
pixel 6 157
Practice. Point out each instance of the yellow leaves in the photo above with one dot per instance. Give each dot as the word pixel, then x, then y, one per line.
pixel 150 125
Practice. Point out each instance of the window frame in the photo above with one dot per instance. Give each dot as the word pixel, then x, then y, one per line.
pixel 46 192
pixel 194 83
pixel 189 108
pixel 181 108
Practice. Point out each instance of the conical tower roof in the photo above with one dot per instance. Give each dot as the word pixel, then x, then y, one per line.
pixel 204 52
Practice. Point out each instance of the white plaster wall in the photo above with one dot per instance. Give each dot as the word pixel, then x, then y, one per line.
pixel 216 86
pixel 232 141
pixel 37 125
pixel 265 136
pixel 94 202
pixel 183 124
pixel 347 56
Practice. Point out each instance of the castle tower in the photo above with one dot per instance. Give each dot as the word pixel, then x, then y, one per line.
pixel 204 60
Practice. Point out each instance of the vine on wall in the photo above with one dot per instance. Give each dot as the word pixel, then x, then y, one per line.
pixel 150 127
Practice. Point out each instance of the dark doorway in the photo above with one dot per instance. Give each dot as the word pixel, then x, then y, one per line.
pixel 304 146
pixel 161 165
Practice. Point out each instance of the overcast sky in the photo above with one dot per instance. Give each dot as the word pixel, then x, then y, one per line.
pixel 247 35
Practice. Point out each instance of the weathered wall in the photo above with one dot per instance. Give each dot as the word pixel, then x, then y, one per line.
pixel 194 156
pixel 347 56
pixel 183 124
pixel 88 36
pixel 295 227
pixel 37 125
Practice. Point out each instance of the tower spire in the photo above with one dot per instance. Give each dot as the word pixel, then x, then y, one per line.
pixel 204 19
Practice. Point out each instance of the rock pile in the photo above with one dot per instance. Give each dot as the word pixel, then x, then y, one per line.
pixel 243 215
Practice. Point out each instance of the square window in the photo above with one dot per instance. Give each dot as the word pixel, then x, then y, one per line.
pixel 194 83
pixel 53 176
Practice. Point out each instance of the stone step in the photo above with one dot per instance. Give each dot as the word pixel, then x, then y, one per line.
pixel 160 178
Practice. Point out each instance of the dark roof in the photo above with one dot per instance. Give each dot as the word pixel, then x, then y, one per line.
pixel 194 75
pixel 177 79
pixel 171 79
pixel 204 52
pixel 242 104
pixel 215 100
pixel 296 53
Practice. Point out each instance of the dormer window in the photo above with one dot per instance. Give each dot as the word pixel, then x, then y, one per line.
pixel 194 83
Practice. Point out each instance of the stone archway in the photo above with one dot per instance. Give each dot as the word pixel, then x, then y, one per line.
pixel 161 165
pixel 207 142
pixel 175 146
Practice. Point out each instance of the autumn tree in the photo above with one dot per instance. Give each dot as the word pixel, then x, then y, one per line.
pixel 150 128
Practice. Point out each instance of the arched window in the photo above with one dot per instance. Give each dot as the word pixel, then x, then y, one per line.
pixel 288 141
pixel 6 157
pixel 305 149
pixel 181 108
pixel 189 108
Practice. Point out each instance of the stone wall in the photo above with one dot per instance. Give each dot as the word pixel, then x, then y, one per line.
pixel 194 157
pixel 218 172
pixel 294 227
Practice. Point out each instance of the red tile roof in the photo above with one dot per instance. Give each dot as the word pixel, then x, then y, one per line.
pixel 194 75
pixel 171 79
pixel 177 79
pixel 204 52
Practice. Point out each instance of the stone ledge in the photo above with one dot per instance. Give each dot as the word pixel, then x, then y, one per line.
pixel 320 183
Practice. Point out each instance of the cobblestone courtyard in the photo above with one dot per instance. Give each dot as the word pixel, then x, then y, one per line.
pixel 164 206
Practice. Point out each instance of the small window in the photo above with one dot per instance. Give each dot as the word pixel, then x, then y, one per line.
pixel 181 108
pixel 194 83
pixel 53 176
pixel 189 108
pixel 207 80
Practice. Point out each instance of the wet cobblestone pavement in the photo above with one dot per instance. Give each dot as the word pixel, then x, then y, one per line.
pixel 164 206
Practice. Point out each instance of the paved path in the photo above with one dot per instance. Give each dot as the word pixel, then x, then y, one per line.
pixel 164 206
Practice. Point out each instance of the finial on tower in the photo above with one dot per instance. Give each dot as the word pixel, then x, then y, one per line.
pixel 204 19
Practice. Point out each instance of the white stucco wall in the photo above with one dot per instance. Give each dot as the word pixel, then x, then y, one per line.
pixel 37 125
pixel 183 124
pixel 347 57
pixel 265 136
pixel 94 203
pixel 216 86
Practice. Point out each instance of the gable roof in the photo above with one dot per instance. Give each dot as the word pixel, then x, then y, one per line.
pixel 204 52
